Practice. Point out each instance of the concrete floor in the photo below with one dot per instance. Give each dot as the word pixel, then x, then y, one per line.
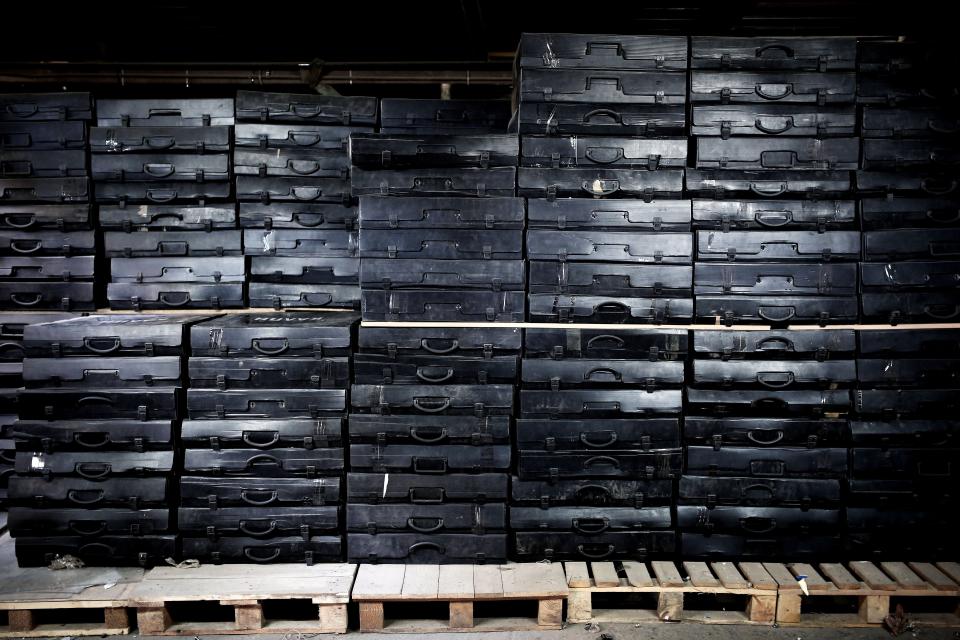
pixel 681 631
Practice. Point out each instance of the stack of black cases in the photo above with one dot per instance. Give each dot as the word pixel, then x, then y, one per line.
pixel 162 174
pixel 766 434
pixel 774 123
pixel 430 456
pixel 452 248
pixel 47 242
pixel 598 444
pixel 602 122
pixel 96 440
pixel 903 474
pixel 421 116
pixel 909 193
pixel 263 448
pixel 12 326
pixel 293 183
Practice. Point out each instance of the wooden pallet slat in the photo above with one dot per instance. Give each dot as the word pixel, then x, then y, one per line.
pixel 456 581
pixel 812 579
pixel 872 576
pixel 487 582
pixel 786 581
pixel 933 576
pixel 422 583
pixel 637 574
pixel 577 574
pixel 729 576
pixel 903 576
pixel 758 576
pixel 952 569
pixel 605 574
pixel 839 576
pixel 666 573
pixel 700 575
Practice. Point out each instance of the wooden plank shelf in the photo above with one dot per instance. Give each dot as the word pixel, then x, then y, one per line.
pixel 379 589
pixel 674 586
pixel 245 588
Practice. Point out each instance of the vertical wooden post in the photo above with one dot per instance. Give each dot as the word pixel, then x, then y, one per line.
pixel 762 608
pixel 333 618
pixel 371 616
pixel 461 615
pixel 152 620
pixel 580 605
pixel 788 607
pixel 20 620
pixel 248 616
pixel 116 618
pixel 550 612
pixel 670 606
pixel 873 609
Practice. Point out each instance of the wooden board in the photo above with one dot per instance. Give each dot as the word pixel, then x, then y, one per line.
pixel 700 575
pixel 456 582
pixel 378 581
pixel 487 582
pixel 786 581
pixel 420 582
pixel 577 574
pixel 666 573
pixel 839 575
pixel 605 574
pixel 533 581
pixel 872 576
pixel 813 579
pixel 903 576
pixel 729 576
pixel 637 574
pixel 933 576
pixel 758 576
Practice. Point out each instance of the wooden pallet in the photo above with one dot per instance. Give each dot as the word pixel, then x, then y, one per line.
pixel 671 583
pixel 29 598
pixel 461 586
pixel 245 588
pixel 870 585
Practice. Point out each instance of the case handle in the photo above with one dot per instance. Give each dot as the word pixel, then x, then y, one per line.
pixel 600 187
pixel 929 185
pixel 769 313
pixel 760 488
pixel 768 193
pixel 585 491
pixel 933 126
pixel 318 299
pixel 414 524
pixel 92 470
pixel 752 437
pixel 948 312
pixel 17 298
pixel 774 47
pixel 304 167
pixel 161 195
pixel 305 110
pixel 81 439
pixel 306 193
pixel 247 496
pixel 77 496
pixel 88 400
pixel 308 219
pixel 604 155
pixel 773 218
pixel 446 375
pixel 424 404
pixel 585 439
pixel 425 343
pixel 775 379
pixel 87 528
pixel 160 142
pixel 12 220
pixel 159 169
pixel 603 113
pixel 248 439
pixel 596 342
pixel 586 551
pixel 257 345
pixel 416 434
pixel 170 298
pixel 590 525
pixel 758 525
pixel 91 344
pixel 262 459
pixel 249 553
pixel 304 138
pixel 773 91
pixel 22 110
pixel 426 495
pixel 769 126
pixel 422 546
pixel 429 465
pixel 269 526
pixel 601 461
pixel 604 374
pixel 948 217
pixel 26 246
pixel 774 343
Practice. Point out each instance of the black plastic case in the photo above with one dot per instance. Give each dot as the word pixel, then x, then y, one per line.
pixel 417 116
pixel 612 463
pixel 909 154
pixel 591 151
pixel 773 85
pixel 88 435
pixel 441 244
pixel 609 86
pixel 161 192
pixel 206 270
pixel 831 344
pixel 767 402
pixel 886 122
pixel 905 433
pixel 174 112
pixel 199 491
pixel 589 520
pixel 155 217
pixel 753 521
pixel 904 463
pixel 45 106
pixel 535 182
pixel 293 215
pixel 267 373
pixel 778 153
pixel 94 466
pixel 29 216
pixel 916 182
pixel 772 119
pixel 98 372
pixel 597 118
pixel 426 489
pixel 791 53
pixel 46 243
pixel 432 548
pixel 778 310
pixel 72 404
pixel 443 305
pixel 386 212
pixel 307 163
pixel 494 275
pixel 594 51
pixel 935 343
pixel 299 296
pixel 547 373
pixel 934 276
pixel 547 307
pixel 666 344
pixel 274 334
pixel 905 213
pixel 120 244
pixel 304 137
pixel 429 430
pixel 171 295
pixel 305 270
pixel 436 459
pixel 270 403
pixel 47 190
pixel 614 215
pixel 293 189
pixel 257 522
pixel 160 168
pixel 723 183
pixel 621 545
pixel 498 181
pixel 60 268
pixel 611 279
pixel 452 399
pixel 917 306
pixel 262 434
pixel 384 369
pixel 911 244
pixel 597 435
pixel 264 551
pixel 724 546
pixel 766 246
pixel 774 214
pixel 132 493
pixel 599 403
pixel 775 374
pixel 110 335
pixel 254 463
pixel 310 108
pixel 764 432
pixel 18 163
pixel 805 493
pixel 909 372
pixel 104 551
pixel 893 403
pixel 609 246
pixel 441 518
pixel 767 462
pixel 437 341
pixel 392 151
pixel 159 139
pixel 596 492
pixel 89 523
